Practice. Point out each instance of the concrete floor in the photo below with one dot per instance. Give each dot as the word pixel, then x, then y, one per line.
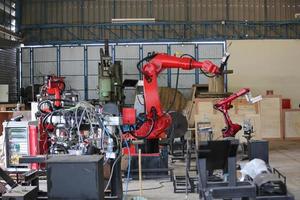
pixel 284 155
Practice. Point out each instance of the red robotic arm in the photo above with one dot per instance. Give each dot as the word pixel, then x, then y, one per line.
pixel 54 86
pixel 223 106
pixel 158 121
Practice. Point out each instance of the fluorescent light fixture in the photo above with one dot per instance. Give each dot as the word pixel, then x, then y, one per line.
pixel 132 20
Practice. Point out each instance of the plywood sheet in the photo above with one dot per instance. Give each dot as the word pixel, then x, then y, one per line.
pixel 292 123
pixel 241 106
pixel 205 108
pixel 216 122
pixel 167 97
pixel 271 122
pixel 189 111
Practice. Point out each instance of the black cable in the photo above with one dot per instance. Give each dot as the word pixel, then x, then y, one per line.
pixel 174 97
pixel 152 188
pixel 102 126
pixel 54 112
pixel 138 66
pixel 50 114
pixel 177 79
pixel 44 123
pixel 176 87
pixel 207 74
pixel 150 130
pixel 137 96
pixel 147 135
pixel 60 148
pixel 188 55
pixel 112 171
pixel 48 102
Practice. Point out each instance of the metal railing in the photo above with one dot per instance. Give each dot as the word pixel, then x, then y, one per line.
pixel 159 31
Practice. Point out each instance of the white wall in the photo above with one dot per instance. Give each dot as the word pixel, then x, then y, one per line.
pixel 266 65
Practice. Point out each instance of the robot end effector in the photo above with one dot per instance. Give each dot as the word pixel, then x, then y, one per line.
pixel 251 99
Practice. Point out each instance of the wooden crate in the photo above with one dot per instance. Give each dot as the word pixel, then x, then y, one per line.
pixel 189 111
pixel 216 84
pixel 205 106
pixel 291 123
pixel 199 88
pixel 271 117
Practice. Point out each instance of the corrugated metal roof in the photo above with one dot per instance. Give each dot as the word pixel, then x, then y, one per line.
pixel 89 12
pixel 98 11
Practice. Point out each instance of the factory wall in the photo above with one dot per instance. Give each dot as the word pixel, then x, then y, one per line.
pixel 7 18
pixel 8 58
pixel 259 64
pixel 266 65
pixel 79 64
pixel 8 72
